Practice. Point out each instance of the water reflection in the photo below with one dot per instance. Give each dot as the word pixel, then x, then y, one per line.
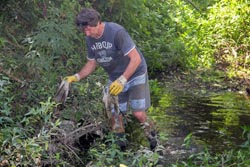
pixel 215 119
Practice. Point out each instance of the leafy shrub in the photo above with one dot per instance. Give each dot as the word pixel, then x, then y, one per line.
pixel 220 36
pixel 21 146
pixel 55 40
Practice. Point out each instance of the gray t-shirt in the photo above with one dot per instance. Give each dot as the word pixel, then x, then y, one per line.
pixel 111 49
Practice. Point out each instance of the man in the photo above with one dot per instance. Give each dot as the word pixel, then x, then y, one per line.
pixel 110 46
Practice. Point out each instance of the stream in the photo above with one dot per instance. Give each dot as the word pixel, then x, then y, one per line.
pixel 211 120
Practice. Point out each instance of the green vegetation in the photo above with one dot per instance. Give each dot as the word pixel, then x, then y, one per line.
pixel 40 44
pixel 227 158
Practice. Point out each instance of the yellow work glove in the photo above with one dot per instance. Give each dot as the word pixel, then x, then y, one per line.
pixel 72 78
pixel 117 86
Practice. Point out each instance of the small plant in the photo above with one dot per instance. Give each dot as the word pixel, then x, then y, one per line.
pixel 5 102
pixel 246 133
pixel 229 157
pixel 144 157
pixel 187 140
pixel 109 154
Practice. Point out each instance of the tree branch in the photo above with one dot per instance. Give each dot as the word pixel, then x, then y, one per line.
pixel 191 3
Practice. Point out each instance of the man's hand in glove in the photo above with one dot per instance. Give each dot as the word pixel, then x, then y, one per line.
pixel 72 78
pixel 117 86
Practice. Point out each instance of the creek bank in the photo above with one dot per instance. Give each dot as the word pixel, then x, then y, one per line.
pixel 202 81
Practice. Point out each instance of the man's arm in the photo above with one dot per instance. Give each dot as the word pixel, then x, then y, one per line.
pixel 87 69
pixel 135 61
pixel 117 86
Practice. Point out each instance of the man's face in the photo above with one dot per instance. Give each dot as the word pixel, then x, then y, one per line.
pixel 91 31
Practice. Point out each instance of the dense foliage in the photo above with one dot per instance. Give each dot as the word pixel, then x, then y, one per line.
pixel 40 45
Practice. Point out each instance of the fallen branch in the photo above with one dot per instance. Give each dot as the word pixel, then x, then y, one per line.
pixel 68 147
pixel 76 134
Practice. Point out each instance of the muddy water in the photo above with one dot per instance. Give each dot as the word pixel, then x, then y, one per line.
pixel 215 120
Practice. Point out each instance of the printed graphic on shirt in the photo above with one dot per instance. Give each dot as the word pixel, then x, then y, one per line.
pixel 101 45
pixel 103 58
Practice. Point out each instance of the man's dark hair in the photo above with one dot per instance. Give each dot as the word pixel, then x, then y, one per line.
pixel 88 16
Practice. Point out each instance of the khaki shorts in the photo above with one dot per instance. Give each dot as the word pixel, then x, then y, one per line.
pixel 135 95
